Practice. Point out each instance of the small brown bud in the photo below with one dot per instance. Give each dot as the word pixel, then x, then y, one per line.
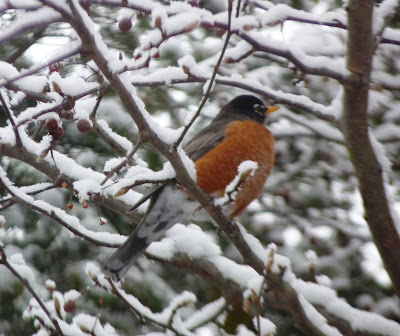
pixel 54 67
pixel 69 306
pixel 68 103
pixel 57 88
pixel 42 155
pixel 158 22
pixel 192 26
pixel 121 192
pixel 50 286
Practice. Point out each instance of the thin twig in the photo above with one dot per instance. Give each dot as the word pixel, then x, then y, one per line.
pixel 98 101
pixel 124 162
pixel 10 117
pixel 71 51
pixel 238 8
pixel 25 283
pixel 211 82
pixel 12 200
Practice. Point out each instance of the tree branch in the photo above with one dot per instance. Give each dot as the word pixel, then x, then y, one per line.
pixel 355 128
pixel 26 284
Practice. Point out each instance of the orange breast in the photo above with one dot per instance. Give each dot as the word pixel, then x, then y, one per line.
pixel 244 140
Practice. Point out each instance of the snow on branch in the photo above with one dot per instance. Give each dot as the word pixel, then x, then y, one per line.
pixel 41 17
pixel 70 222
pixel 169 318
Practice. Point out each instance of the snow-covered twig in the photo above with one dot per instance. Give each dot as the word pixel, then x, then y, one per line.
pixel 26 284
pixel 68 52
pixel 69 222
pixel 118 167
pixel 168 318
pixel 33 190
pixel 11 119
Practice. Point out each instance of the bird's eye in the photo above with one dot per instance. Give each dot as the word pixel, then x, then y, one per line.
pixel 259 108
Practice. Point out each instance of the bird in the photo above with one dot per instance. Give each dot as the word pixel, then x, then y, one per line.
pixel 235 135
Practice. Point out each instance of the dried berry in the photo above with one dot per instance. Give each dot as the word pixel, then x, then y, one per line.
pixel 58 133
pixel 70 206
pixel 125 24
pixel 51 124
pixel 83 125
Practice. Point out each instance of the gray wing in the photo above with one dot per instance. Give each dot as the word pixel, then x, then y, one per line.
pixel 148 194
pixel 206 139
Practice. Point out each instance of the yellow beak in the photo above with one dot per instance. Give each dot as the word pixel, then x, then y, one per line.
pixel 271 109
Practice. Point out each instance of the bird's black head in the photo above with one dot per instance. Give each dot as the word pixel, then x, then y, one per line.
pixel 247 107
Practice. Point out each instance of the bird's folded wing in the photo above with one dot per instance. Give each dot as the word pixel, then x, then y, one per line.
pixel 154 190
pixel 205 140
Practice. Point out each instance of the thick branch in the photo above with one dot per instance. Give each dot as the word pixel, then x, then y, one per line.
pixel 355 127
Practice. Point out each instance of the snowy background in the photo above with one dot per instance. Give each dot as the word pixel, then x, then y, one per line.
pixel 95 93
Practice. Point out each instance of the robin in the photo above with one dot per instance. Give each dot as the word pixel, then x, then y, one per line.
pixel 237 134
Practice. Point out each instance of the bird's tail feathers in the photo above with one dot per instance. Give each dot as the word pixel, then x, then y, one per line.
pixel 119 263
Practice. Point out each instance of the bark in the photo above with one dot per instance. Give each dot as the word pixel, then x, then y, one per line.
pixel 355 128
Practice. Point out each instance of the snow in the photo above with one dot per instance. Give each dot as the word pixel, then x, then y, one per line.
pixel 385 9
pixel 127 13
pixel 183 22
pixel 92 324
pixel 188 163
pixel 317 319
pixel 246 167
pixel 189 240
pixel 122 141
pixel 189 66
pixel 87 188
pixel 142 173
pixel 166 134
pixel 206 313
pixel 314 294
pixel 50 284
pixel 112 163
pixel 239 50
pixel 159 17
pixel 165 75
pixel 243 275
pixel 372 264
pixel 266 326
pixel 71 85
pixel 165 317
pixel 17 262
pixel 30 83
pixel 150 39
pixel 42 16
